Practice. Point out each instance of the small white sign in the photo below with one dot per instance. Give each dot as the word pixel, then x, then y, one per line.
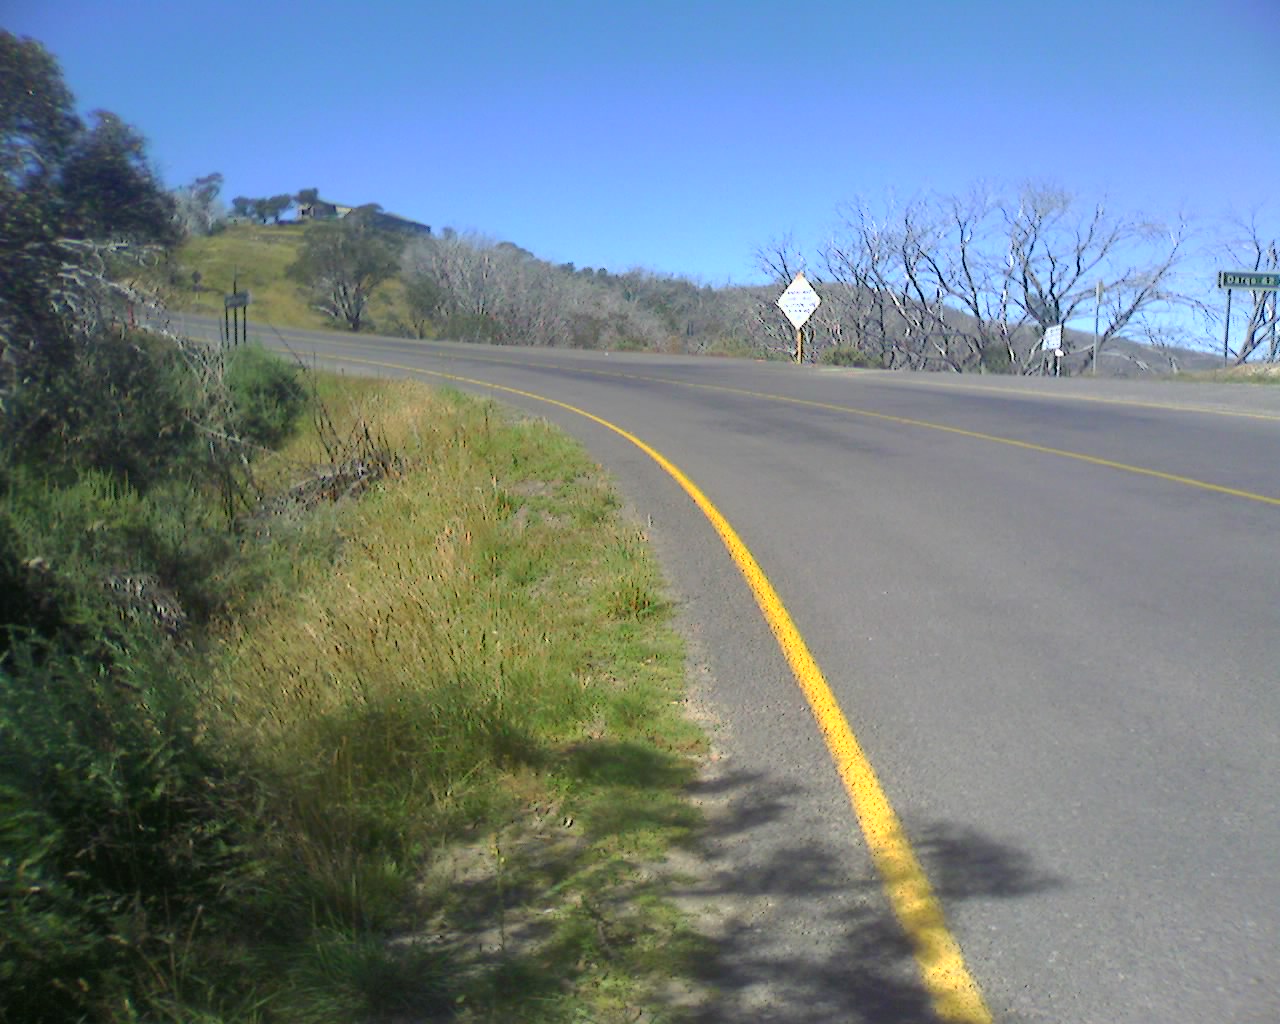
pixel 799 301
pixel 1053 338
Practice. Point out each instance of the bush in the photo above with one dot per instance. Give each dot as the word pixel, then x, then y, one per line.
pixel 122 402
pixel 115 833
pixel 120 824
pixel 844 355
pixel 995 359
pixel 266 395
pixel 473 327
pixel 60 546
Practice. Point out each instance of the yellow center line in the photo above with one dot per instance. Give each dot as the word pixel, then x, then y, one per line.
pixel 1093 460
pixel 1011 442
pixel 955 994
pixel 914 382
pixel 1067 396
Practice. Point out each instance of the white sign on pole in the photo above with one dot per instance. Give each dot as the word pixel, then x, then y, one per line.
pixel 799 301
pixel 1053 338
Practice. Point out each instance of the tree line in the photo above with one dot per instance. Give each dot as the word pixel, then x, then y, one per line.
pixel 971 281
pixel 200 211
pixel 960 283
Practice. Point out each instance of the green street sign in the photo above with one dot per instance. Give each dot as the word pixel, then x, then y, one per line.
pixel 1257 281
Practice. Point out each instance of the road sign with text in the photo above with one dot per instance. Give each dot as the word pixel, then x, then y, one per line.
pixel 1254 280
pixel 799 301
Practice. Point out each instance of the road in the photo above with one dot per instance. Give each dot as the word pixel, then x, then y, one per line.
pixel 1049 611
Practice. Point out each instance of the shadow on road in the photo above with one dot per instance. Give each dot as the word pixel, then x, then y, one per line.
pixel 804 933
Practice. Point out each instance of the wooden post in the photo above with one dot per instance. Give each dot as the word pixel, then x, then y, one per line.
pixel 799 345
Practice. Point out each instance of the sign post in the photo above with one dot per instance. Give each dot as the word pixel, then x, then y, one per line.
pixel 798 303
pixel 1097 315
pixel 1053 346
pixel 1255 281
pixel 235 322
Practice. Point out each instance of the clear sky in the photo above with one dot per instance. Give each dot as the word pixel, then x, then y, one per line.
pixel 678 136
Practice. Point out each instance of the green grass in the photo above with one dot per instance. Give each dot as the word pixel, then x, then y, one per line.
pixel 420 754
pixel 468 725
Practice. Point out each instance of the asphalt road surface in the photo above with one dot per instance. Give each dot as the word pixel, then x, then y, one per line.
pixel 1050 611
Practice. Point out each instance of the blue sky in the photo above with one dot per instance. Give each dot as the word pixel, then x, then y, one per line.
pixel 680 136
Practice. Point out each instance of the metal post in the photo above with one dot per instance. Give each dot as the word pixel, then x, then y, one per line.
pixel 1097 311
pixel 1226 331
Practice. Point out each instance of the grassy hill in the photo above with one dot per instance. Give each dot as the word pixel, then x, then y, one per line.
pixel 258 256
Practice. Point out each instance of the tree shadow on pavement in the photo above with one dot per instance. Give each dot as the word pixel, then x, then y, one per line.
pixel 803 931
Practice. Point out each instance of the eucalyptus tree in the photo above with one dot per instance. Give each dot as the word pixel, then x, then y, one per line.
pixel 76 202
pixel 341 264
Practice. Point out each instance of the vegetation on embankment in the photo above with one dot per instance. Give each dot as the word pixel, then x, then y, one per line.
pixel 410 758
pixel 310 689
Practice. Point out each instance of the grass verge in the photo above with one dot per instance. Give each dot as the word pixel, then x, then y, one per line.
pixel 399 740
pixel 1249 373
pixel 465 730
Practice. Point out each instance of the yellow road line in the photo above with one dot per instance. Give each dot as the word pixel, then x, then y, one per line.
pixel 954 992
pixel 1064 453
pixel 1011 442
pixel 1067 396
pixel 916 382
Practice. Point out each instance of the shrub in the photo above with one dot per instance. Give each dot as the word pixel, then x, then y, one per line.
pixel 266 394
pixel 61 545
pixel 113 843
pixel 845 355
pixel 995 359
pixel 121 402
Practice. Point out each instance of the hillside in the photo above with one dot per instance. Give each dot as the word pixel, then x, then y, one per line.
pixel 255 257
pixel 480 290
pixel 484 291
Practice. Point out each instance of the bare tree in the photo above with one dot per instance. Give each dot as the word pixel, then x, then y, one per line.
pixel 898 267
pixel 501 293
pixel 1060 253
pixel 970 282
pixel 860 296
pixel 1252 247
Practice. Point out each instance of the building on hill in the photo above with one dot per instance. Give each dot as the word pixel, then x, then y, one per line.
pixel 322 210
